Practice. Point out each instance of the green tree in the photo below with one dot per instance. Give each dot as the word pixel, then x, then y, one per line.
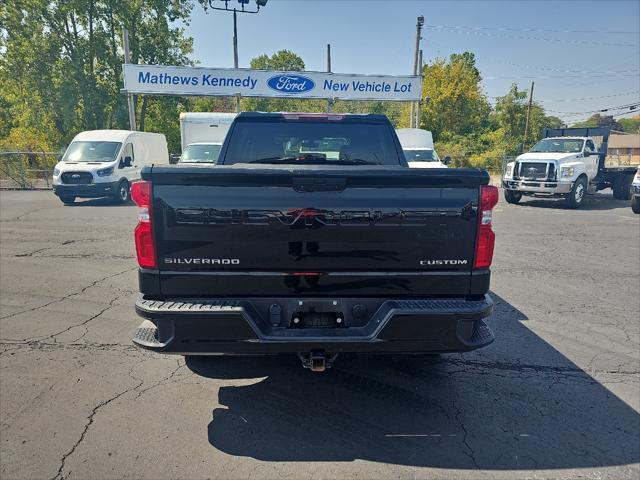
pixel 282 60
pixel 454 103
pixel 505 134
pixel 60 66
pixel 630 125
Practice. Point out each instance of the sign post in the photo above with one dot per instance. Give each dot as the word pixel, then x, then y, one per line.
pixel 130 102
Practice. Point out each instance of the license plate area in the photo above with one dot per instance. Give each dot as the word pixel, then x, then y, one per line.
pixel 318 314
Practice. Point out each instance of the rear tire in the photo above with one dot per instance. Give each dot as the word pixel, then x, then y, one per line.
pixel 622 187
pixel 511 196
pixel 635 204
pixel 68 200
pixel 575 197
pixel 122 194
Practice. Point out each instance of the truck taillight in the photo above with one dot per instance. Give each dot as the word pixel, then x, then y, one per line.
pixel 486 237
pixel 145 245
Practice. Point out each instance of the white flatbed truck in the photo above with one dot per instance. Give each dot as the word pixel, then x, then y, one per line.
pixel 567 163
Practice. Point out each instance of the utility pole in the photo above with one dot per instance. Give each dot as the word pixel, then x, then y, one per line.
pixel 329 101
pixel 420 99
pixel 130 102
pixel 235 53
pixel 419 24
pixel 526 125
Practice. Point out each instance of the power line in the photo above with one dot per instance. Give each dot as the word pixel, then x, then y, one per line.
pixel 544 30
pixel 477 31
pixel 598 82
pixel 578 120
pixel 533 77
pixel 623 94
pixel 623 113
pixel 578 99
pixel 561 70
pixel 630 107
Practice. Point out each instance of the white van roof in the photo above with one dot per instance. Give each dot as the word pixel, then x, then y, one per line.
pixel 415 138
pixel 110 135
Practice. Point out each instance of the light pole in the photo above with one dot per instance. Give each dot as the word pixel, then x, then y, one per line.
pixel 419 24
pixel 234 9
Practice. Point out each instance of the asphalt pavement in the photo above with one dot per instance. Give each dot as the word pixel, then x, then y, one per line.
pixel 557 395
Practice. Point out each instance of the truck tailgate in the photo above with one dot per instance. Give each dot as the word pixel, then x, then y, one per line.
pixel 358 231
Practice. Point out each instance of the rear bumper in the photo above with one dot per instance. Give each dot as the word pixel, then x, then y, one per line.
pixel 226 326
pixel 92 190
pixel 537 186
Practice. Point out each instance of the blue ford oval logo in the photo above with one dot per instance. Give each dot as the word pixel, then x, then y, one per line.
pixel 287 83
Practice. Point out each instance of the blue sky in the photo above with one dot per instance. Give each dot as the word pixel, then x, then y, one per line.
pixel 582 55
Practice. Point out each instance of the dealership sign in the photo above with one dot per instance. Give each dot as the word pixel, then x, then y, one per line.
pixel 196 81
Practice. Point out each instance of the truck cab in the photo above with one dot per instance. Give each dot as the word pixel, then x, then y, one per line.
pixel 567 163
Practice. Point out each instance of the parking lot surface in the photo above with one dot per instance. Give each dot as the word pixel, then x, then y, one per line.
pixel 557 395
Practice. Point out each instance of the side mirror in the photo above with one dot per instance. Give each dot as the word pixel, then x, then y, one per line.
pixel 127 161
pixel 446 160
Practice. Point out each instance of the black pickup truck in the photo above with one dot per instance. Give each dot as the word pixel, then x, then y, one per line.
pixel 312 236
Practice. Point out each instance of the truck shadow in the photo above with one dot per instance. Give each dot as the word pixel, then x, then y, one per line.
pixel 599 201
pixel 518 405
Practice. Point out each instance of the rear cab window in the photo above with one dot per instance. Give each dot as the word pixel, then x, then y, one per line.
pixel 311 141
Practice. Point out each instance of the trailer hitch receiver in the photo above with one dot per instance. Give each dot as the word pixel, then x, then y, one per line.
pixel 317 361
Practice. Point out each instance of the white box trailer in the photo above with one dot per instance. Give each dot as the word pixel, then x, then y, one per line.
pixel 204 127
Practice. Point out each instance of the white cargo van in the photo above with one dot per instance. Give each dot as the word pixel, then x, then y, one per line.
pixel 417 145
pixel 103 163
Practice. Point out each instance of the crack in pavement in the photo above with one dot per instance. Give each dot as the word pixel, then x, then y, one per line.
pixel 81 324
pixel 164 381
pixel 91 346
pixel 60 474
pixel 94 411
pixel 470 453
pixel 19 217
pixel 521 368
pixel 85 255
pixel 30 254
pixel 58 300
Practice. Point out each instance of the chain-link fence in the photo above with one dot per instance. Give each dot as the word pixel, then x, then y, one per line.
pixel 27 170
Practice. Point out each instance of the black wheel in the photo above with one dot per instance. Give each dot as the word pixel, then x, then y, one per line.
pixel 635 204
pixel 622 187
pixel 68 200
pixel 122 192
pixel 575 197
pixel 511 196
